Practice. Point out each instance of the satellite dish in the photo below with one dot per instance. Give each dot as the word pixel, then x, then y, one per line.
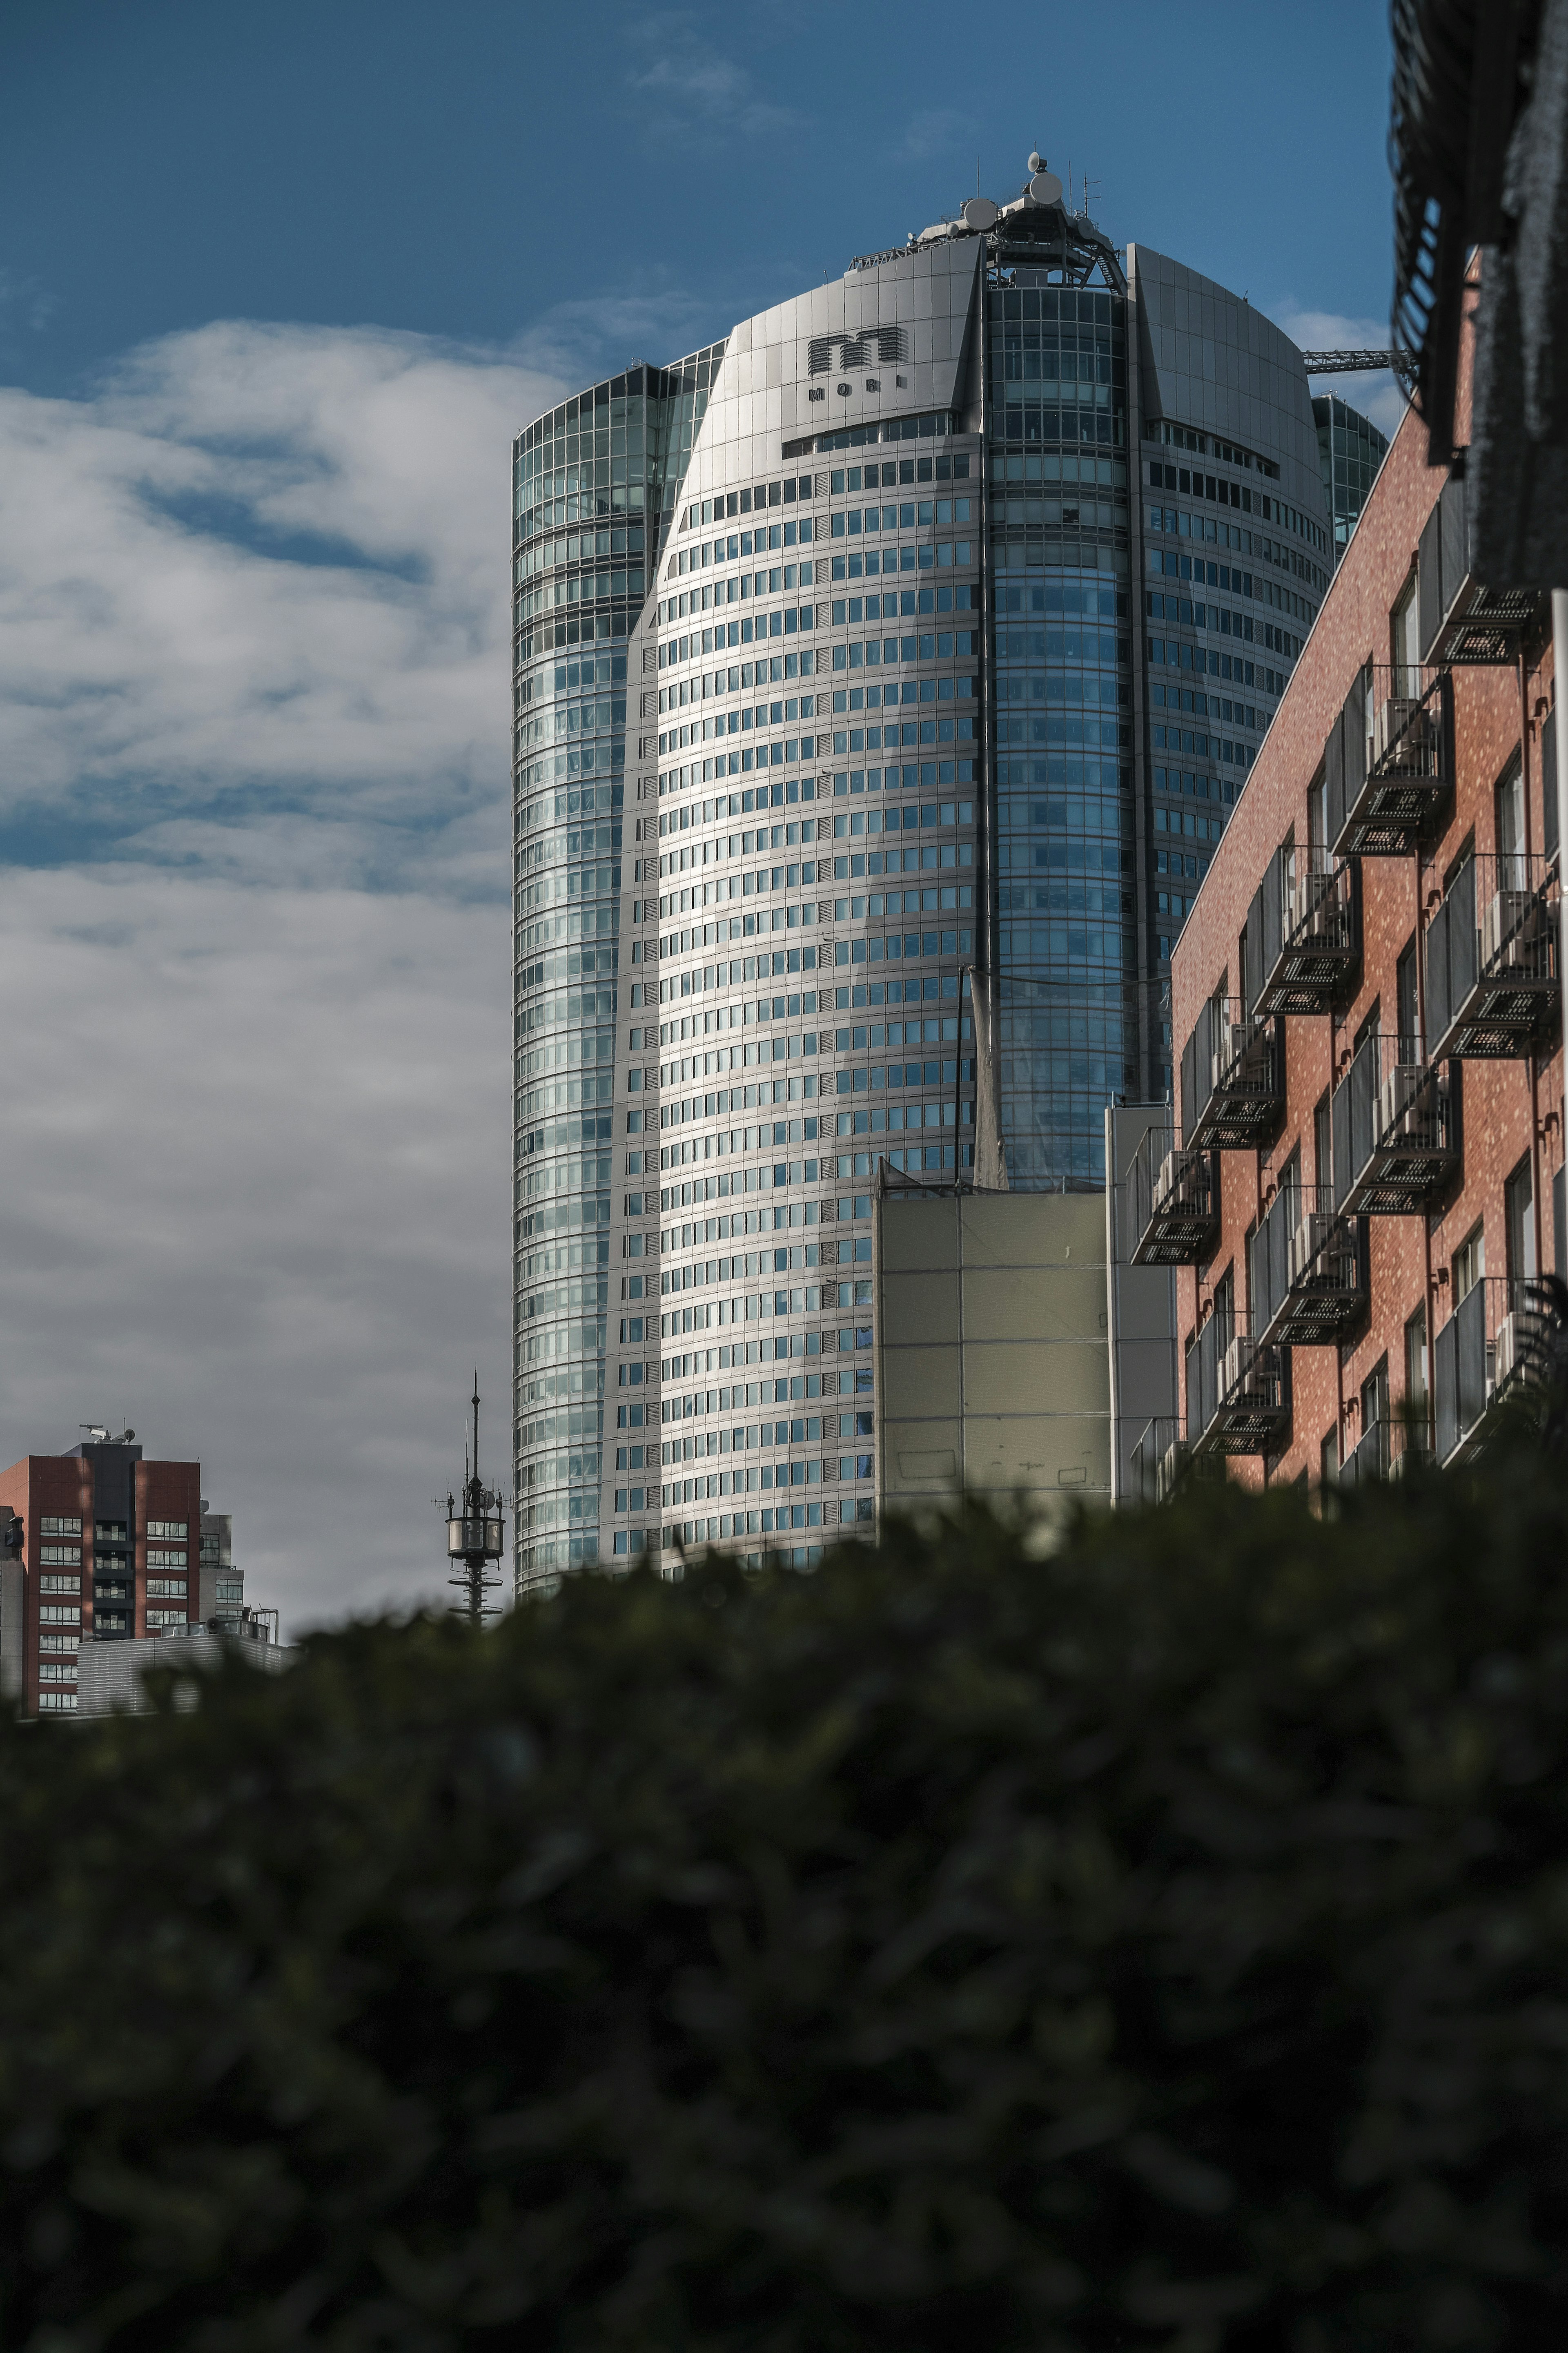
pixel 980 213
pixel 1045 188
pixel 1036 162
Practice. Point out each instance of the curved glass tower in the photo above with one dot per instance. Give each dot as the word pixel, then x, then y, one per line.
pixel 591 482
pixel 956 595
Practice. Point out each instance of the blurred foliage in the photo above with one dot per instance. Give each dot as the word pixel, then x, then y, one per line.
pixel 1161 1945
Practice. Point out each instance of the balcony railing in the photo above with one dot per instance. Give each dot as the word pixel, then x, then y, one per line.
pixel 1483 1356
pixel 1309 1271
pixel 1460 620
pixel 1238 1392
pixel 1307 921
pixel 1387 1450
pixel 1395 1131
pixel 1160 1460
pixel 1389 761
pixel 1174 1201
pixel 1233 1079
pixel 1493 984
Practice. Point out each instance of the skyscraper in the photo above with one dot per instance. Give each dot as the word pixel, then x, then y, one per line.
pixel 1002 540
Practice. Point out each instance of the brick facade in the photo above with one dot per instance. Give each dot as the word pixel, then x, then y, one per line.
pixel 1510 1110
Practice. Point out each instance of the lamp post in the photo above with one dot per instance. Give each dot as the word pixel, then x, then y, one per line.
pixel 475 1538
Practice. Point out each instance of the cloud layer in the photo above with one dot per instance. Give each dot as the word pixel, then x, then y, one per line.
pixel 254 934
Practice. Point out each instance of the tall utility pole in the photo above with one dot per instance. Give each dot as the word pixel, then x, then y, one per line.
pixel 475 1538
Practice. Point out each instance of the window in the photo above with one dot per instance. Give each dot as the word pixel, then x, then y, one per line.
pixel 156 1559
pixel 1407 642
pixel 1409 1002
pixel 1374 1397
pixel 1469 1265
pixel 1329 1459
pixel 1322 1145
pixel 1317 812
pixel 59 1584
pixel 1415 1376
pixel 57 1527
pixel 168 1528
pixel 1519 1210
pixel 167 1588
pixel 1509 801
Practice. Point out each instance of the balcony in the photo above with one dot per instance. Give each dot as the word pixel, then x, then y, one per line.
pixel 1233 1079
pixel 1389 763
pixel 1309 1271
pixel 1238 1392
pixel 1461 621
pixel 1307 922
pixel 1395 1131
pixel 1160 1460
pixel 1492 977
pixel 1174 1198
pixel 1481 1363
pixel 1387 1451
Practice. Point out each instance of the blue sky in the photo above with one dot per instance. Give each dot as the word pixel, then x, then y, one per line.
pixel 494 172
pixel 277 283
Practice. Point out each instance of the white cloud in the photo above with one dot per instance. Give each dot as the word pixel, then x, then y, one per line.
pixel 933 133
pixel 257 1203
pixel 686 86
pixel 262 571
pixel 1376 393
pixel 254 793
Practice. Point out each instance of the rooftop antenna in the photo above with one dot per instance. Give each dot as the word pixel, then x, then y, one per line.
pixel 475 1538
pixel 1086 184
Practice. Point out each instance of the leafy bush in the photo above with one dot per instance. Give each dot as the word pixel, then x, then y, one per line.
pixel 1164 1945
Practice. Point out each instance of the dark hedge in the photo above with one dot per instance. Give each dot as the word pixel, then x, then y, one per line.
pixel 1164 1944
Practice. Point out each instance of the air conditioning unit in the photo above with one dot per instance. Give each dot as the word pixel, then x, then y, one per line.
pixel 1506 927
pixel 1181 1182
pixel 1311 1236
pixel 1399 1103
pixel 1505 1351
pixel 1236 1365
pixel 1403 727
pixel 1311 903
pixel 1173 1463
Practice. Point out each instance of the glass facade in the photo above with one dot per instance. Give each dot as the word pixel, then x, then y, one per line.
pixel 1062 716
pixel 593 483
pixel 914 643
pixel 1350 450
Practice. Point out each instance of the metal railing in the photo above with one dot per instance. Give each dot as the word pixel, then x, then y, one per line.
pixel 1237 1390
pixel 1173 1202
pixel 1388 1449
pixel 1388 760
pixel 1483 1356
pixel 1396 1141
pixel 1309 914
pixel 1232 1079
pixel 1307 1274
pixel 1493 959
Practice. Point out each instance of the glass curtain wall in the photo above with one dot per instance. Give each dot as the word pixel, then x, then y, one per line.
pixel 1351 450
pixel 594 485
pixel 1057 553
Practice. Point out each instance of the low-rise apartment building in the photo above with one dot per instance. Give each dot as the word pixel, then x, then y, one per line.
pixel 1362 1169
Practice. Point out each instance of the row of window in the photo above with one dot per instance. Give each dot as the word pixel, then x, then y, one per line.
pixel 1209 661
pixel 771 1477
pixel 1233 536
pixel 579 588
pixel 704 978
pixel 575 547
pixel 787 1046
pixel 1191 483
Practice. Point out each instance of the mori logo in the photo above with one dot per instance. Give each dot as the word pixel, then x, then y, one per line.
pixel 843 354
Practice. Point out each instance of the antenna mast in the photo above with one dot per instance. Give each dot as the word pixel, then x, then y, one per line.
pixel 475 1538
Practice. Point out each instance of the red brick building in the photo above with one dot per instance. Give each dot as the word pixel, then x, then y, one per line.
pixel 101 1546
pixel 1366 1163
